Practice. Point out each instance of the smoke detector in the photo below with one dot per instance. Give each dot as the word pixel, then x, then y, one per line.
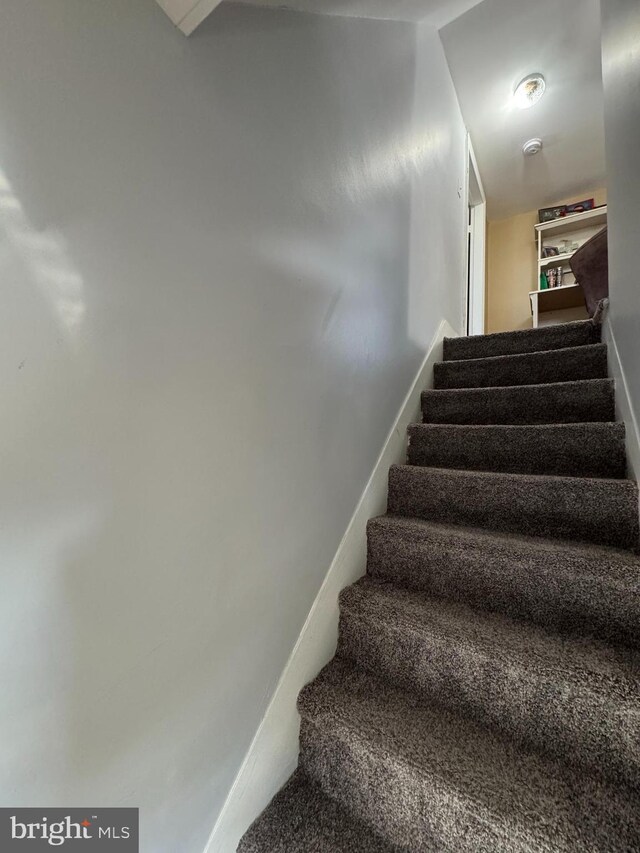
pixel 529 91
pixel 533 146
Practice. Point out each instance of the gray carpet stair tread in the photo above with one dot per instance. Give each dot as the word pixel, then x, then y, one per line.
pixel 301 819
pixel 581 450
pixel 524 340
pixel 560 365
pixel 572 698
pixel 563 586
pixel 603 511
pixel 580 401
pixel 430 780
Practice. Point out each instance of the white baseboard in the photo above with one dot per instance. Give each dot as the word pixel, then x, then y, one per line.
pixel 624 407
pixel 273 754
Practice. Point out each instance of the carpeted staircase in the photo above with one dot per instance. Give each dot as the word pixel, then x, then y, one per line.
pixel 485 694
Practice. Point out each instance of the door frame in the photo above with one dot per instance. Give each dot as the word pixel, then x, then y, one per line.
pixel 476 207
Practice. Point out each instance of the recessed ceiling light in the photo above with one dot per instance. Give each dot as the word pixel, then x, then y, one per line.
pixel 529 91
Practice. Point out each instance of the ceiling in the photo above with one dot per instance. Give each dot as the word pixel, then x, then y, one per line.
pixel 436 12
pixel 189 14
pixel 489 50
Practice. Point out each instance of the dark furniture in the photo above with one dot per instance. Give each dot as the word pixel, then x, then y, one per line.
pixel 590 265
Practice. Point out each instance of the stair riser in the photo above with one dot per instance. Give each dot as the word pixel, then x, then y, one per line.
pixel 522 702
pixel 548 367
pixel 584 451
pixel 600 511
pixel 558 591
pixel 301 817
pixel 422 810
pixel 390 796
pixel 532 340
pixel 540 404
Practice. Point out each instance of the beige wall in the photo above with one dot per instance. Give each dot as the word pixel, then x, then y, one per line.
pixel 511 266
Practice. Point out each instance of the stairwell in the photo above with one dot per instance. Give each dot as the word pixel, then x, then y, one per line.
pixel 485 694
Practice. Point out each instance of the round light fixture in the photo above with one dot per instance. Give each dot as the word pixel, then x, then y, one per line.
pixel 529 91
pixel 533 146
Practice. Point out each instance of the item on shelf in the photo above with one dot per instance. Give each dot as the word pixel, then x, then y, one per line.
pixel 579 206
pixel 555 276
pixel 548 214
pixel 550 251
pixel 544 284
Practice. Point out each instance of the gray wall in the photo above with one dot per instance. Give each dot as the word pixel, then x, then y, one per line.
pixel 221 260
pixel 621 73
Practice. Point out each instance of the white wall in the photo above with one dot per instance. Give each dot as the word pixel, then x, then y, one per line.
pixel 221 261
pixel 621 73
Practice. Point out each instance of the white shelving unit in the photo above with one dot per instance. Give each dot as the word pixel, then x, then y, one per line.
pixel 567 298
